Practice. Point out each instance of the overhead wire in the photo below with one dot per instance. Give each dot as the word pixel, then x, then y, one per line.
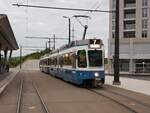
pixel 94 7
pixel 20 2
pixel 27 19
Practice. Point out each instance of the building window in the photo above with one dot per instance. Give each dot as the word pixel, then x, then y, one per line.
pixel 113 15
pixel 129 3
pixel 144 24
pixel 129 25
pixel 129 14
pixel 129 34
pixel 113 4
pixel 113 25
pixel 144 34
pixel 144 12
pixel 124 65
pixel 113 34
pixel 144 3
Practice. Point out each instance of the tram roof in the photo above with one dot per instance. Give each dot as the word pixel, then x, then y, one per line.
pixel 76 43
pixel 7 38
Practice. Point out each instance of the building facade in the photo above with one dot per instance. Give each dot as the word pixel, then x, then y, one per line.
pixel 134 36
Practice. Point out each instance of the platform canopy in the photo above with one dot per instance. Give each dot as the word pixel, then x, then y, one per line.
pixel 7 38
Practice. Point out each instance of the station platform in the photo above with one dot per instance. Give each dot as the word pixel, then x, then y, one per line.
pixel 132 84
pixel 6 78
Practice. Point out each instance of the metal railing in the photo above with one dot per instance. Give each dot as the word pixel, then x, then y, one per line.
pixel 129 16
pixel 130 5
pixel 142 67
pixel 130 26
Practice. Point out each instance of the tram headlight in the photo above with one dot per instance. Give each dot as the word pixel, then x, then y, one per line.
pixel 96 74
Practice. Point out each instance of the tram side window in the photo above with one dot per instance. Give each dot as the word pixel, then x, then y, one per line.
pixel 82 62
pixel 61 61
pixel 55 61
pixel 46 62
pixel 73 60
pixel 67 59
pixel 50 61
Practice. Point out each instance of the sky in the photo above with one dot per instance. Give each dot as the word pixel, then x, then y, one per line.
pixel 47 22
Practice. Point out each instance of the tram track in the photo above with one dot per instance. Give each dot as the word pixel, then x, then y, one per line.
pixel 19 101
pixel 115 97
pixel 127 97
pixel 41 99
pixel 114 100
pixel 20 98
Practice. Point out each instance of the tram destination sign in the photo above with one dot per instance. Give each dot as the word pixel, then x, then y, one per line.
pixel 94 43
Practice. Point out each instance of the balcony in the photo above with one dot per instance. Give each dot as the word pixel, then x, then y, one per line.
pixel 129 16
pixel 129 27
pixel 129 34
pixel 128 4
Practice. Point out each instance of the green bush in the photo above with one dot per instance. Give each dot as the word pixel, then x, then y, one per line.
pixel 15 61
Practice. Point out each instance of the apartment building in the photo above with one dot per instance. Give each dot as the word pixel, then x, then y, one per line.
pixel 134 36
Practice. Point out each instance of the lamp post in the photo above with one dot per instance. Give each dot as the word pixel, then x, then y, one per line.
pixel 69 19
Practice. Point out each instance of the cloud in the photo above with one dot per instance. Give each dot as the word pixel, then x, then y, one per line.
pixel 46 22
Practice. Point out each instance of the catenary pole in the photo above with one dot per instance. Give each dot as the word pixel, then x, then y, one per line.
pixel 69 30
pixel 116 56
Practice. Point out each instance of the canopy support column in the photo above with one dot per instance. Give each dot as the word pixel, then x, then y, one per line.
pixel 10 54
pixel 0 60
pixel 5 58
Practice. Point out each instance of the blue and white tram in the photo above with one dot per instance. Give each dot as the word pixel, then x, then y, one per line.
pixel 81 62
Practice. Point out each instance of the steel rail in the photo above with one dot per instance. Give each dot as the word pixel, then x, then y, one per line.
pixel 125 106
pixel 19 98
pixel 41 99
pixel 127 97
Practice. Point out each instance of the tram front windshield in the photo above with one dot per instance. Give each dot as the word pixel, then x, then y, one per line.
pixel 95 58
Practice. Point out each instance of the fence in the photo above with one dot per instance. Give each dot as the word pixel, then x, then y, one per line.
pixel 142 67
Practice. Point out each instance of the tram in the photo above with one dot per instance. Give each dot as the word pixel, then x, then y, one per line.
pixel 81 62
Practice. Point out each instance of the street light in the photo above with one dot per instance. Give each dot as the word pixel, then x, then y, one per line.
pixel 69 19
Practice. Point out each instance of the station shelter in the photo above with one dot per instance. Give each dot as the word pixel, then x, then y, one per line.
pixel 8 43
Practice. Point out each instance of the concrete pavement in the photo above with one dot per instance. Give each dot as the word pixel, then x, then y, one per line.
pixel 140 86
